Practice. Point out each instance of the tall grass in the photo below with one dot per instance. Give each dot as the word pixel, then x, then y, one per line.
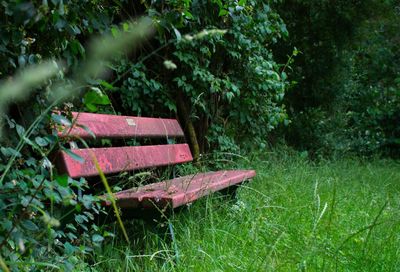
pixel 294 216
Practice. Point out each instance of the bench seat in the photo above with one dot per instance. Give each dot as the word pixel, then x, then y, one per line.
pixel 86 162
pixel 180 191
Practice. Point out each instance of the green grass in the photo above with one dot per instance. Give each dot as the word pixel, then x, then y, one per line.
pixel 294 216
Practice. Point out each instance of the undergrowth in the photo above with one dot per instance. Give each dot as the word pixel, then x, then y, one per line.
pixel 296 215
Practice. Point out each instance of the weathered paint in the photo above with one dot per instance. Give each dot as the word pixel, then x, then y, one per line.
pixel 172 193
pixel 117 159
pixel 180 191
pixel 115 126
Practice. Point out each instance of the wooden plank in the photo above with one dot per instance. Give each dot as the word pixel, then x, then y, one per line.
pixel 115 126
pixel 180 191
pixel 117 159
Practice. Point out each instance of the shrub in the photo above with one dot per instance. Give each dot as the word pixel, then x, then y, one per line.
pixel 47 219
pixel 44 220
pixel 346 97
pixel 219 73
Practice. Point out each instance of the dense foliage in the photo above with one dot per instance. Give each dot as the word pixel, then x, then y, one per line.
pixel 219 74
pixel 347 95
pixel 44 215
pixel 34 30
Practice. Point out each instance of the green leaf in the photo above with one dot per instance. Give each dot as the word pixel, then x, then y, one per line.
pixel 108 234
pixel 223 12
pixel 20 130
pixel 29 142
pixel 188 14
pixel 61 120
pixel 88 200
pixel 69 249
pixel 97 238
pixel 71 227
pixel 41 141
pixel 95 97
pixel 78 207
pixel 6 224
pixel 25 201
pixel 62 180
pixel 29 225
pixel 229 96
pixel 61 7
pixel 125 27
pixel 88 130
pixel 106 85
pixel 177 34
pixel 114 31
pixel 73 155
pixel 79 218
pixel 91 107
pixel 170 65
pixel 8 152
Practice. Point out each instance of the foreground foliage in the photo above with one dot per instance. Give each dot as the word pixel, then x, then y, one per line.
pixel 46 217
pixel 295 215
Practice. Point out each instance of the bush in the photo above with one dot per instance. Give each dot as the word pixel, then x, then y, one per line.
pixel 219 74
pixel 48 218
pixel 44 220
pixel 347 93
pixel 370 95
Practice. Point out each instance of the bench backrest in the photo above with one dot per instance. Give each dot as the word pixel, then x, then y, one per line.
pixel 126 158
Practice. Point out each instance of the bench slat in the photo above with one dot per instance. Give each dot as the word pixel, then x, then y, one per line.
pixel 180 191
pixel 117 159
pixel 115 126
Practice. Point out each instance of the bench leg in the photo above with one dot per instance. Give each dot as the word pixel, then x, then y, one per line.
pixel 230 192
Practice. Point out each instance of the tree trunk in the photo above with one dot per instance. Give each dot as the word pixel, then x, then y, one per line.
pixel 187 125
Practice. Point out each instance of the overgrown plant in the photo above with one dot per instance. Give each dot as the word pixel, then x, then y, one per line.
pixel 347 96
pixel 221 78
pixel 219 74
pixel 47 219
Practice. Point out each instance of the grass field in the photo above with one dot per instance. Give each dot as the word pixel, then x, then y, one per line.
pixel 294 216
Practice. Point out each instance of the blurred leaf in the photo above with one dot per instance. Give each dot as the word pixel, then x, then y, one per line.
pixel 61 120
pixel 8 152
pixel 88 130
pixel 69 249
pixel 41 141
pixel 73 155
pixel 62 180
pixel 29 225
pixel 106 85
pixel 97 238
pixel 95 97
pixel 20 130
pixel 177 34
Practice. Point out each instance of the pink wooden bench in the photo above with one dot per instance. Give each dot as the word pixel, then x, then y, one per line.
pixel 170 193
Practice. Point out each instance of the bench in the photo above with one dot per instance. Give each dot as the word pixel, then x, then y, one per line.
pixel 170 193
